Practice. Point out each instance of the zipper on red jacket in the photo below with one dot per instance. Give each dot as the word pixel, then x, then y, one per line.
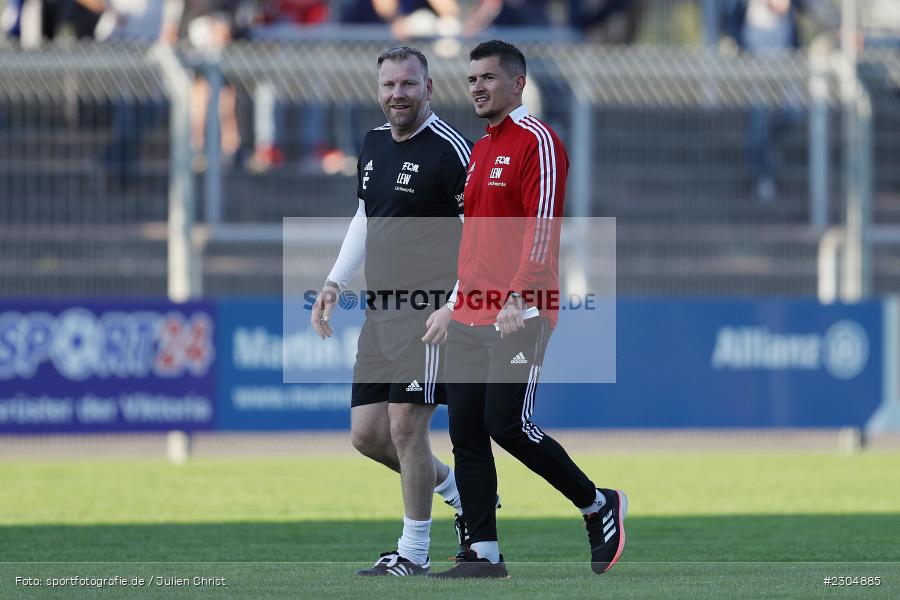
pixel 481 191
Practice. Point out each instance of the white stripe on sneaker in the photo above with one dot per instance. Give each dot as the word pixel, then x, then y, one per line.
pixel 609 535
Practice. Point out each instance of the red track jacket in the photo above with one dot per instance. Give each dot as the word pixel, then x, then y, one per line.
pixel 514 197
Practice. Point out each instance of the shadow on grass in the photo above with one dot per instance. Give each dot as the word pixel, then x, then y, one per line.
pixel 841 538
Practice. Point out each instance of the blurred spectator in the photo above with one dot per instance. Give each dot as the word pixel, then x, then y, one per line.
pixel 293 12
pixel 89 18
pixel 11 18
pixel 269 129
pixel 78 16
pixel 606 21
pixel 237 14
pixel 505 13
pixel 210 26
pixel 407 18
pixel 770 28
pixel 318 153
pixel 132 21
pixel 359 12
pixel 31 21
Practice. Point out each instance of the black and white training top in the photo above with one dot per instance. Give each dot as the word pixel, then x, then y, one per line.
pixel 407 228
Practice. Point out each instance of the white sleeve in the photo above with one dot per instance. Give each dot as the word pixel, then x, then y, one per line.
pixel 455 291
pixel 353 250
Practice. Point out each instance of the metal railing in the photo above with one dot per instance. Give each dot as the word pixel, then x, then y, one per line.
pixel 84 156
pixel 658 137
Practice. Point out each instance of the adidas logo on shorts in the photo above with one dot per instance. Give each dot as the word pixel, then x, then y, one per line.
pixel 519 359
pixel 414 387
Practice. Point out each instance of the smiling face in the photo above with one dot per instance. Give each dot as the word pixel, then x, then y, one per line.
pixel 495 93
pixel 404 93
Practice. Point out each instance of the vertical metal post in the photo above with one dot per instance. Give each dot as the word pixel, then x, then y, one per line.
pixel 887 418
pixel 710 23
pixel 852 285
pixel 819 171
pixel 864 187
pixel 264 99
pixel 582 171
pixel 582 142
pixel 184 271
pixel 829 264
pixel 212 178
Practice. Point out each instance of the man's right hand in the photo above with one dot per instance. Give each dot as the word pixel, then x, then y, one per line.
pixel 321 310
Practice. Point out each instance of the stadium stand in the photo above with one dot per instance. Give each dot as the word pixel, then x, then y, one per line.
pixel 667 157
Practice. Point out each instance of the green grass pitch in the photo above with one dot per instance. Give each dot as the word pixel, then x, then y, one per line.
pixel 700 525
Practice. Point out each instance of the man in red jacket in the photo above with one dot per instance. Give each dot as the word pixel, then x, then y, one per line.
pixel 509 262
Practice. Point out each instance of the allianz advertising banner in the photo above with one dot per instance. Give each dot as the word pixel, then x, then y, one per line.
pixel 729 363
pixel 106 366
pixel 679 363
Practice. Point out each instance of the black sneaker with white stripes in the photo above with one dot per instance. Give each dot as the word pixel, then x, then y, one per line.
pixel 462 533
pixel 469 565
pixel 462 537
pixel 606 531
pixel 392 564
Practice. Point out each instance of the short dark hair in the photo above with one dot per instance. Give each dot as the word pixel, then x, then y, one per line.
pixel 401 53
pixel 511 58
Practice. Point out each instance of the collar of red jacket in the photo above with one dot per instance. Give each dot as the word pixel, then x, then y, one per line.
pixel 513 117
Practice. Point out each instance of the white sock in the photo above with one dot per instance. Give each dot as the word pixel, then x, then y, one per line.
pixel 488 550
pixel 413 543
pixel 448 491
pixel 598 503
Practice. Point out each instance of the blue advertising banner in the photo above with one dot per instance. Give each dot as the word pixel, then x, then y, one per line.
pixel 680 363
pixel 251 347
pixel 136 366
pixel 106 366
pixel 729 363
